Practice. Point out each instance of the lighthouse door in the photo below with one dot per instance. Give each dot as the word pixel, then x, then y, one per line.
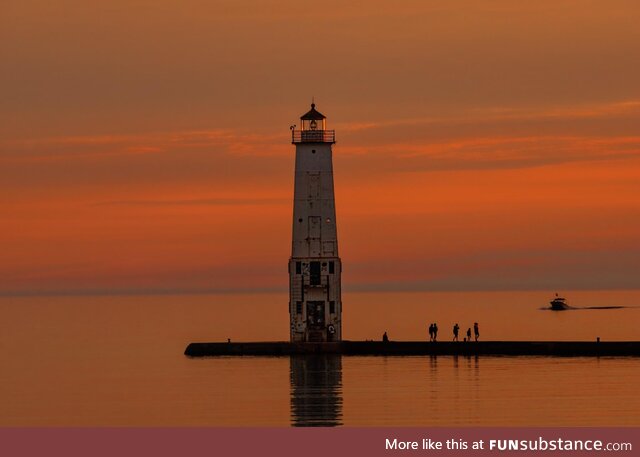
pixel 315 314
pixel 315 321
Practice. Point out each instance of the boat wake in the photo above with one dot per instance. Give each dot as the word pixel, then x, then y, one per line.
pixel 574 308
pixel 604 307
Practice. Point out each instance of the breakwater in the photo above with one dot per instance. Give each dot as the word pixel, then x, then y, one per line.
pixel 407 348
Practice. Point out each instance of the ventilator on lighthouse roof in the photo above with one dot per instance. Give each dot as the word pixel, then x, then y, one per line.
pixel 313 114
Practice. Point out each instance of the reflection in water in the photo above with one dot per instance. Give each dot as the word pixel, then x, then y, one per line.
pixel 454 386
pixel 316 390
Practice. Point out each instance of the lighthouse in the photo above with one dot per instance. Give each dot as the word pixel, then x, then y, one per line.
pixel 315 306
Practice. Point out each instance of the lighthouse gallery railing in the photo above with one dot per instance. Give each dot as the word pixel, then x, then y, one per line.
pixel 313 136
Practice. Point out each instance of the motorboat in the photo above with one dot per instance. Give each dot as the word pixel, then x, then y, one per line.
pixel 558 303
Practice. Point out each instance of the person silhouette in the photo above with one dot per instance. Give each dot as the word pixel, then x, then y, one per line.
pixel 430 332
pixel 469 334
pixel 435 331
pixel 385 338
pixel 476 331
pixel 455 332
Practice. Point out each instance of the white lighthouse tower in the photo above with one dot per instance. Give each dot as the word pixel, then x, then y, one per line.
pixel 315 307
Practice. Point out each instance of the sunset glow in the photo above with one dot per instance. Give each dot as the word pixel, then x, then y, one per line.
pixel 496 149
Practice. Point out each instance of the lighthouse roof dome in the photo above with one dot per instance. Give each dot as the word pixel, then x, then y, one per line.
pixel 313 114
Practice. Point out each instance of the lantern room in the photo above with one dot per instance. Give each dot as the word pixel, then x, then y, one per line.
pixel 313 128
pixel 313 120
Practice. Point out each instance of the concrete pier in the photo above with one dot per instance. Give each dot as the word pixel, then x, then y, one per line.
pixel 407 348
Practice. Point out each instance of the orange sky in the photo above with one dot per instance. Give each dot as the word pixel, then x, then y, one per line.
pixel 144 146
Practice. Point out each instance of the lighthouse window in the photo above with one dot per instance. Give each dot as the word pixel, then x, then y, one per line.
pixel 298 268
pixel 300 220
pixel 298 307
pixel 332 307
pixel 314 270
pixel 332 268
pixel 313 151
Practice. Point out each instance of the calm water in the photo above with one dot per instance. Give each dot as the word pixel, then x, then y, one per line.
pixel 118 360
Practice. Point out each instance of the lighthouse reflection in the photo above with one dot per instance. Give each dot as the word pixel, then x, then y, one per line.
pixel 316 390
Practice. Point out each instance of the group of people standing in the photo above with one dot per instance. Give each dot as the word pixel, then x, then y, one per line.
pixel 433 332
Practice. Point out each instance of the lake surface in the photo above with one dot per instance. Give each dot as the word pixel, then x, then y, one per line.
pixel 117 361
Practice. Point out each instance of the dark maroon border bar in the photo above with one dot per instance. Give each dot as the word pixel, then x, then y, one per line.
pixel 283 442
